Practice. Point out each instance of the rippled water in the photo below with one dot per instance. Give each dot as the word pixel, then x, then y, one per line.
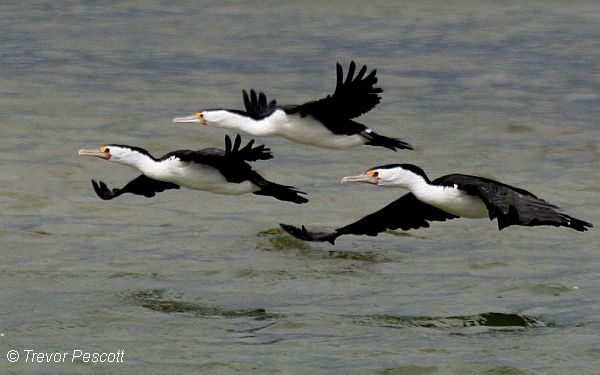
pixel 189 282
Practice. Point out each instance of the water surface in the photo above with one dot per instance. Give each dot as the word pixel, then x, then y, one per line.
pixel 189 282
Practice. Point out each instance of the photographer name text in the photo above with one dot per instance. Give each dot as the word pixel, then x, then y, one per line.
pixel 75 355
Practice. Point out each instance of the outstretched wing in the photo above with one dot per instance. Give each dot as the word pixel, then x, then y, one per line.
pixel 352 97
pixel 141 185
pixel 405 213
pixel 356 95
pixel 257 106
pixel 512 205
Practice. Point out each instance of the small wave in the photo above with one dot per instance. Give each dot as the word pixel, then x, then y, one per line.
pixel 492 320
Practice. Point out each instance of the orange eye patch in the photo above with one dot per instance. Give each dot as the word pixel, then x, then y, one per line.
pixel 372 173
pixel 198 114
pixel 103 148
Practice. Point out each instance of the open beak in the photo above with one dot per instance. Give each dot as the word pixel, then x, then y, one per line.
pixel 362 178
pixel 197 118
pixel 101 153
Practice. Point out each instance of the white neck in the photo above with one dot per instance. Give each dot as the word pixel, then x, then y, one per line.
pixel 404 179
pixel 447 198
pixel 417 185
pixel 431 194
pixel 234 121
pixel 136 160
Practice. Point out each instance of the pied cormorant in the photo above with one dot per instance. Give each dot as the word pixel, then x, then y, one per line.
pixel 326 122
pixel 211 169
pixel 445 198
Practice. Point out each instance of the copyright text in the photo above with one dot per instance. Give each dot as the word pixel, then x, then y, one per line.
pixel 75 355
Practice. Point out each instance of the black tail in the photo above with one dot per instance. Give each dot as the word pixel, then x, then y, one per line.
pixel 562 221
pixel 379 140
pixel 534 212
pixel 281 192
pixel 304 235
pixel 576 224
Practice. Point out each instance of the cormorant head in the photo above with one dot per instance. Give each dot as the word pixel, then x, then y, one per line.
pixel 395 175
pixel 122 154
pixel 196 118
pixel 216 117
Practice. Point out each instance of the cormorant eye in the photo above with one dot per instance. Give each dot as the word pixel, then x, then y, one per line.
pixel 106 149
pixel 375 174
pixel 372 173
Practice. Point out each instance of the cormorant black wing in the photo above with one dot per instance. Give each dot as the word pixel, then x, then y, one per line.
pixel 512 205
pixel 356 95
pixel 257 106
pixel 141 185
pixel 352 97
pixel 405 213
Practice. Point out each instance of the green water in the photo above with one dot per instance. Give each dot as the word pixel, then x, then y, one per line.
pixel 190 282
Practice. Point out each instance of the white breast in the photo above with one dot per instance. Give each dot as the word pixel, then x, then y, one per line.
pixel 197 176
pixel 308 130
pixel 453 201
